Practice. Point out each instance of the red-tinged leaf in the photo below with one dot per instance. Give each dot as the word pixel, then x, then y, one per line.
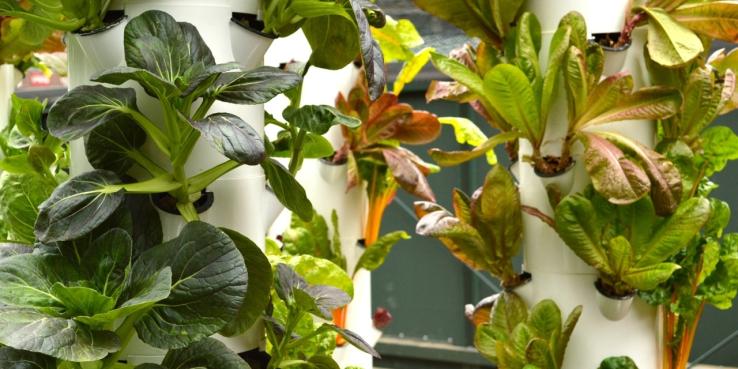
pixel 648 103
pixel 421 128
pixel 605 96
pixel 423 208
pixel 461 239
pixel 453 158
pixel 353 172
pixel 666 182
pixel 407 174
pixel 715 19
pixel 445 90
pixel 613 175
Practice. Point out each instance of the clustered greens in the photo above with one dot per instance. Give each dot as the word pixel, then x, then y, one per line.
pixel 648 223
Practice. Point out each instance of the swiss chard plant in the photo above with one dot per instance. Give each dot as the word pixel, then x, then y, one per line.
pixel 374 153
pixel 630 245
pixel 486 230
pixel 186 82
pixel 34 164
pixel 515 338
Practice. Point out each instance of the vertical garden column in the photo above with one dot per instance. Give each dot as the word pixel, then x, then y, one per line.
pixel 557 272
pixel 7 86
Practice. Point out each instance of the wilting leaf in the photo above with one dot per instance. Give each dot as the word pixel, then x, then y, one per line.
pixel 232 137
pixel 371 54
pixel 453 158
pixel 373 257
pixel 402 164
pixel 461 239
pixel 78 206
pixel 670 43
pixel 614 175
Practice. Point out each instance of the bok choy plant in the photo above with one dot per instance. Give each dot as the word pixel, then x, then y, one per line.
pixel 186 82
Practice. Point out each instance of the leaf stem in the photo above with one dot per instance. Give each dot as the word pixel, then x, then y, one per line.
pixel 200 181
pixel 146 163
pixel 188 211
pixel 125 332
pixel 296 159
pixel 156 135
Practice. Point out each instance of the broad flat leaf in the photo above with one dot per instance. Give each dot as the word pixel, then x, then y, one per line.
pixel 333 39
pixel 208 286
pixel 485 342
pixel 287 282
pixel 81 300
pixel 107 261
pixel 199 78
pixel 648 278
pixel 614 176
pixel 605 95
pixel 318 271
pixel 11 358
pixel 577 225
pixel 419 129
pixel 87 107
pixel 323 362
pixel 28 330
pixel 405 170
pixel 720 145
pixel 78 206
pixel 289 192
pixel 142 294
pixel 511 95
pixel 620 362
pixel 152 83
pixel 459 72
pixel 21 196
pixel 715 19
pixel 397 39
pixel 675 233
pixel 539 354
pixel 576 82
pixel 544 319
pixel 354 339
pixel 670 43
pixel 208 353
pixel 113 145
pixel 528 44
pixel 453 158
pixel 371 53
pixel 649 103
pixel 388 119
pixel 256 86
pixel 509 311
pixel 620 254
pixel 154 41
pixel 319 119
pixel 232 137
pixel 460 14
pixel 373 257
pixel 702 102
pixel 258 289
pixel 461 239
pixel 26 280
pixel 321 300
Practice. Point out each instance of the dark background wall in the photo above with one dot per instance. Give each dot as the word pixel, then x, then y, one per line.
pixel 425 288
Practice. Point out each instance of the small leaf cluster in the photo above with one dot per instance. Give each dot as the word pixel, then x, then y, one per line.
pixel 486 231
pixel 515 338
pixel 34 163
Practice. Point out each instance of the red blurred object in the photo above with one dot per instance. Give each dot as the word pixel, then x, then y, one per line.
pixel 382 318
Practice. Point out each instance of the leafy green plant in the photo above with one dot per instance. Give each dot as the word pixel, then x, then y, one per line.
pixel 374 153
pixel 486 231
pixel 79 302
pixel 515 338
pixel 186 82
pixel 300 300
pixel 677 29
pixel 34 163
pixel 619 362
pixel 338 32
pixel 629 245
pixel 30 25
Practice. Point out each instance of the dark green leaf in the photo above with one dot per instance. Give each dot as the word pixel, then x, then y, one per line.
pixel 87 107
pixel 333 39
pixel 232 137
pixel 81 300
pixel 15 359
pixel 289 192
pixel 208 287
pixel 152 83
pixel 26 329
pixel 26 280
pixel 353 339
pixel 107 261
pixel 78 206
pixel 622 362
pixel 287 282
pixel 113 145
pixel 208 353
pixel 319 119
pixel 580 229
pixel 256 86
pixel 21 195
pixel 371 54
pixel 259 286
pixel 12 249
